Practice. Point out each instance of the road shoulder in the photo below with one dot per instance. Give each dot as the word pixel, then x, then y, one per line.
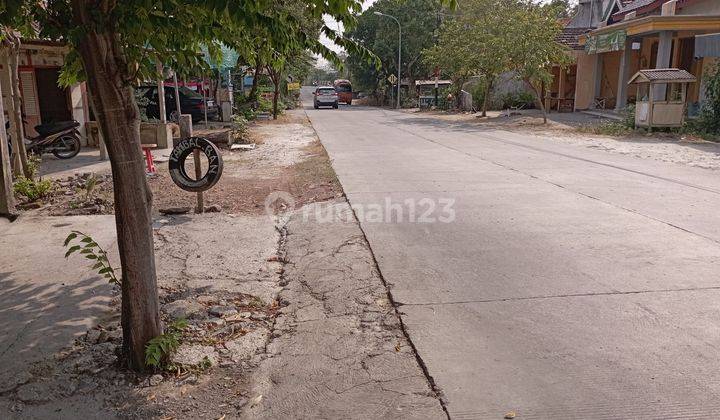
pixel 338 348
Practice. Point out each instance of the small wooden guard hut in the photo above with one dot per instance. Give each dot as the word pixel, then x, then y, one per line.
pixel 661 96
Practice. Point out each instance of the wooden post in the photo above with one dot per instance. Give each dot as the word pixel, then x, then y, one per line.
pixel 7 200
pixel 186 131
pixel 650 107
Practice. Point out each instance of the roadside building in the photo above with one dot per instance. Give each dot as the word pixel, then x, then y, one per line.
pixel 43 100
pixel 613 39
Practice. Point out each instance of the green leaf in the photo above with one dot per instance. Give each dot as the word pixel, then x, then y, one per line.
pixel 71 250
pixel 106 270
pixel 69 238
pixel 91 256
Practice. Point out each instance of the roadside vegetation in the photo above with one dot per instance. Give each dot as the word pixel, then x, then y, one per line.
pixel 480 41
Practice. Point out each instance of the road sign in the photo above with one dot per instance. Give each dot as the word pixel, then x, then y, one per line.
pixel 293 86
pixel 392 79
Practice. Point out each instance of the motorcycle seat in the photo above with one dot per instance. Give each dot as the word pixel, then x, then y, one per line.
pixel 55 127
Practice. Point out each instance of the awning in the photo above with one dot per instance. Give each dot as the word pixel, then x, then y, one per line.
pixel 707 45
pixel 612 41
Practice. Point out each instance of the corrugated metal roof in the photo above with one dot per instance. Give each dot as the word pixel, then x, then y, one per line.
pixel 707 45
pixel 663 75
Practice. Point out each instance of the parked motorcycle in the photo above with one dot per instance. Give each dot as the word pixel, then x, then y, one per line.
pixel 62 139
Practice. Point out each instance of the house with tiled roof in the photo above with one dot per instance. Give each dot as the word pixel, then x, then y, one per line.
pixel 631 35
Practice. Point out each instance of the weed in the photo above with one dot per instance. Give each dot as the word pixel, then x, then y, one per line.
pixel 89 186
pixel 240 128
pixel 160 348
pixel 92 251
pixel 31 189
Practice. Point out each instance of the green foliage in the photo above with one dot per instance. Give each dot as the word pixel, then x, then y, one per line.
pixel 522 100
pixel 379 34
pixel 78 242
pixel 31 189
pixel 240 128
pixel 628 114
pixel 34 162
pixel 473 43
pixel 709 119
pixel 607 128
pixel 159 349
pixel 489 37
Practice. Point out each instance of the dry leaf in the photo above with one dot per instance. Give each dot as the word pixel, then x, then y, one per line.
pixel 510 415
pixel 221 417
pixel 397 346
pixel 255 401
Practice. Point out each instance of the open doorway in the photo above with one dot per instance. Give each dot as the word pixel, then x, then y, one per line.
pixel 53 100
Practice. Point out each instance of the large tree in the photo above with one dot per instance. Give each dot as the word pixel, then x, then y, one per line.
pixel 532 34
pixel 473 42
pixel 114 43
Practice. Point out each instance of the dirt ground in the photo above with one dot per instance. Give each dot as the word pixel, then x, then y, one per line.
pixel 571 128
pixel 288 157
pixel 220 271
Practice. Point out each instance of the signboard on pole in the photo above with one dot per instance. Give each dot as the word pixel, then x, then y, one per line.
pixel 293 86
pixel 392 79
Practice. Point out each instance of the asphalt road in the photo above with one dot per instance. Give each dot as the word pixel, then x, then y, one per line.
pixel 572 282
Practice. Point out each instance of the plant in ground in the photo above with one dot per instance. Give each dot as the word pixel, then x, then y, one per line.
pixel 709 119
pixel 31 189
pixel 160 348
pixel 240 128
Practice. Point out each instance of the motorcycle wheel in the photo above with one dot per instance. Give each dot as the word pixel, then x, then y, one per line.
pixel 67 147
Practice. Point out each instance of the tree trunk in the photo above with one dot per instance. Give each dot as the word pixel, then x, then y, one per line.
pixel 114 106
pixel 7 200
pixel 256 78
pixel 488 88
pixel 17 124
pixel 538 95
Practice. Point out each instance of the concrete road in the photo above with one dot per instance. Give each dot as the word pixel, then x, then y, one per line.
pixel 571 283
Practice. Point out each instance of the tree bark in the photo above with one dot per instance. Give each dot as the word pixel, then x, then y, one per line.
pixel 256 77
pixel 7 200
pixel 488 88
pixel 276 93
pixel 114 106
pixel 275 78
pixel 18 137
pixel 538 95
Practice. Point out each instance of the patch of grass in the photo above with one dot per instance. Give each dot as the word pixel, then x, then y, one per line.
pixel 607 128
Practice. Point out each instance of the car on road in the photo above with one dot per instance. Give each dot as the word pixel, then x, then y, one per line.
pixel 191 103
pixel 325 96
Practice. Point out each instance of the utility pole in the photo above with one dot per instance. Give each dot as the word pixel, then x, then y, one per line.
pixel 399 64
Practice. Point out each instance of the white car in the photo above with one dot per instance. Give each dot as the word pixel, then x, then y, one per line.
pixel 325 96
